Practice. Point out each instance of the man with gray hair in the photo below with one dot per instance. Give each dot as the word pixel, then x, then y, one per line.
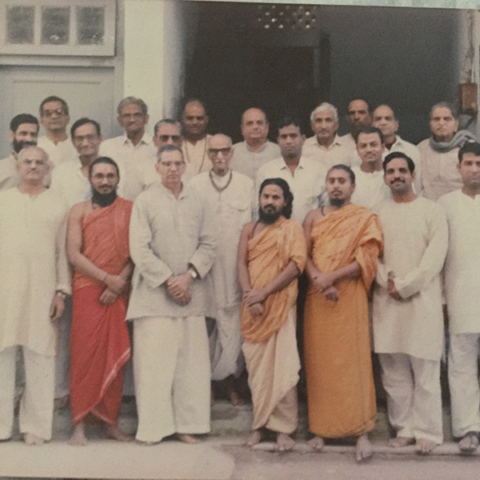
pixel 439 153
pixel 326 146
pixel 135 148
pixel 172 244
pixel 255 150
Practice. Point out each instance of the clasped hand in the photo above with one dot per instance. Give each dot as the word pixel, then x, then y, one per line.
pixel 178 286
pixel 253 300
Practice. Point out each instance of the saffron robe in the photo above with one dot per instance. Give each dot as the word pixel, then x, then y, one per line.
pixel 270 346
pixel 99 343
pixel 340 388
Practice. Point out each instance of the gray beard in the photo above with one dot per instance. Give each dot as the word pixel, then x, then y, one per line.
pixel 337 202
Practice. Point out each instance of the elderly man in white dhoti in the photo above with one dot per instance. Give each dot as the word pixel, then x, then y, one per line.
pixel 231 196
pixel 34 282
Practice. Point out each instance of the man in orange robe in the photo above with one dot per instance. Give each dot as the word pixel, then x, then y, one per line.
pixel 271 255
pixel 97 243
pixel 344 242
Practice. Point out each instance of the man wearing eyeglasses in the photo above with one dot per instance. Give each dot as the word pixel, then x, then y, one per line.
pixel 172 244
pixel 132 149
pixel 34 282
pixel 54 118
pixel 231 195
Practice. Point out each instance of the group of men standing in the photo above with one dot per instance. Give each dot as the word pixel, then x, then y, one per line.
pixel 170 230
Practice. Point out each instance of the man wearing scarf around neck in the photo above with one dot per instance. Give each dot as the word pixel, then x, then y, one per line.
pixel 439 153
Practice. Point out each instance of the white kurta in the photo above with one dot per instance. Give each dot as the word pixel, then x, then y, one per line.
pixel 233 209
pixel 248 161
pixel 196 158
pixel 58 153
pixel 136 163
pixel 416 240
pixel 8 174
pixel 438 172
pixel 69 182
pixel 307 183
pixel 336 153
pixel 33 263
pixel 462 267
pixel 369 188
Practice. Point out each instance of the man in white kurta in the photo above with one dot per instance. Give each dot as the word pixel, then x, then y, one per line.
pixel 407 308
pixel 172 243
pixel 305 177
pixel 369 185
pixel 255 150
pixel 439 154
pixel 230 194
pixel 326 146
pixel 133 150
pixel 462 278
pixel 34 282
pixel 195 139
pixel 54 118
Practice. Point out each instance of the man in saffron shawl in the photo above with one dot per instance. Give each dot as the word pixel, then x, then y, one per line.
pixel 97 244
pixel 271 255
pixel 344 241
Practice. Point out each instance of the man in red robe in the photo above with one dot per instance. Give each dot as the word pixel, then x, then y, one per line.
pixel 97 245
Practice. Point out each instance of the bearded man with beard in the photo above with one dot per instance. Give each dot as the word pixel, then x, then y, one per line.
pixel 97 243
pixel 271 255
pixel 343 241
pixel 23 133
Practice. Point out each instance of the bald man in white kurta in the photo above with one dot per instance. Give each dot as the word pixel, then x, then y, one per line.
pixel 408 334
pixel 34 266
pixel 230 196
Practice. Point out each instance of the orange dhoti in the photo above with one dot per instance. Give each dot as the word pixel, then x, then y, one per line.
pixel 99 342
pixel 340 388
pixel 270 344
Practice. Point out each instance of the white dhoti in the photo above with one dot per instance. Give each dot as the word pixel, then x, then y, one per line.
pixel 226 344
pixel 172 376
pixel 414 399
pixel 62 360
pixel 36 405
pixel 463 382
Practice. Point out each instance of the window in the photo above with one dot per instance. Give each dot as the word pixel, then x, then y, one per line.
pixel 58 27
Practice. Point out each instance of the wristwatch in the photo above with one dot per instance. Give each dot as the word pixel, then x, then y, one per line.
pixel 193 273
pixel 61 294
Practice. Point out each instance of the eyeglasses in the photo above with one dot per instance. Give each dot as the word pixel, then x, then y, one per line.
pixel 135 116
pixel 88 138
pixel 172 164
pixel 28 162
pixel 165 138
pixel 215 151
pixel 50 113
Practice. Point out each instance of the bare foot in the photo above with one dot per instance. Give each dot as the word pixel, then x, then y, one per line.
pixel 399 442
pixel 117 434
pixel 32 439
pixel 186 438
pixel 78 437
pixel 284 442
pixel 235 399
pixel 254 438
pixel 61 402
pixel 317 443
pixel 424 446
pixel 469 442
pixel 364 449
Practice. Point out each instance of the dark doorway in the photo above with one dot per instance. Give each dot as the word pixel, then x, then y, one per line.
pixel 237 63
